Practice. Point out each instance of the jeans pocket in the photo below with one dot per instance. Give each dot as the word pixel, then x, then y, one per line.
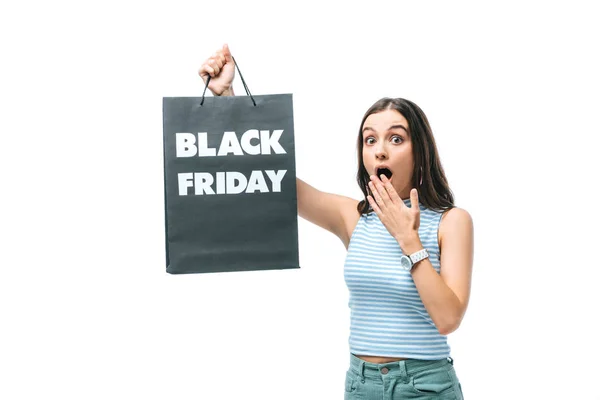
pixel 435 381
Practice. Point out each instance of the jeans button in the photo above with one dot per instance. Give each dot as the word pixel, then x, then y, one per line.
pixel 384 370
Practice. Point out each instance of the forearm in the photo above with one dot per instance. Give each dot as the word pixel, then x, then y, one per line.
pixel 439 300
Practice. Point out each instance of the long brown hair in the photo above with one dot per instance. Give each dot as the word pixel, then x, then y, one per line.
pixel 434 192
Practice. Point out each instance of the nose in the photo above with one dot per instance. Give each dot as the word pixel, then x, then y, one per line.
pixel 380 152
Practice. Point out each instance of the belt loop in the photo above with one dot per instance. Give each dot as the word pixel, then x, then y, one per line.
pixel 403 371
pixel 361 370
pixel 450 360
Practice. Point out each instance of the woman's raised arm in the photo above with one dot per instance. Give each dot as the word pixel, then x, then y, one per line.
pixel 335 213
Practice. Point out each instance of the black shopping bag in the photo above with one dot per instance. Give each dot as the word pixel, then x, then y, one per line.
pixel 230 184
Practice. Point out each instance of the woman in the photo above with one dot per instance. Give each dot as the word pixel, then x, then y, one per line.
pixel 410 251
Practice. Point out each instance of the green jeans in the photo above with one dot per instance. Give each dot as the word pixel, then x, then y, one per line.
pixel 407 379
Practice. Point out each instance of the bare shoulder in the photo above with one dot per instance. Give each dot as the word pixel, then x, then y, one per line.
pixel 456 221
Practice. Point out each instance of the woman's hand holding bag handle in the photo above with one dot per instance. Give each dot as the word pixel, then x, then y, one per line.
pixel 220 69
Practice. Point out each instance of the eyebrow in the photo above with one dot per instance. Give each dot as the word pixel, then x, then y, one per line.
pixel 368 128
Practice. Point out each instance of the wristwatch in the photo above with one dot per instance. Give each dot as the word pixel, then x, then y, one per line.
pixel 409 262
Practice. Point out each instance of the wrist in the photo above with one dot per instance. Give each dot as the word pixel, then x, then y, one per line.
pixel 227 92
pixel 411 245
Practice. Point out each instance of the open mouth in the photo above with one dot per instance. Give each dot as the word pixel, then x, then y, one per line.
pixel 384 171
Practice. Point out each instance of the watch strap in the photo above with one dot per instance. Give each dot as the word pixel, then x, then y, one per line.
pixel 419 255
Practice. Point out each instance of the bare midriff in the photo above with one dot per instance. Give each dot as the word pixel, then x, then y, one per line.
pixel 379 360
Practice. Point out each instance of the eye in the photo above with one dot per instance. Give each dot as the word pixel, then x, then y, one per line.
pixel 400 140
pixel 369 140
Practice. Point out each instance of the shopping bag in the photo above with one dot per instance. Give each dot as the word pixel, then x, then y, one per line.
pixel 230 184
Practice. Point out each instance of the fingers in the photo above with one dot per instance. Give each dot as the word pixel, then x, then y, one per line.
pixel 379 193
pixel 219 58
pixel 206 70
pixel 217 61
pixel 210 67
pixel 227 53
pixel 385 195
pixel 214 64
pixel 382 190
pixel 390 190
pixel 374 206
pixel 414 199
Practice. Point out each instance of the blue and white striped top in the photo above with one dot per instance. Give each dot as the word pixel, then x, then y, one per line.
pixel 388 318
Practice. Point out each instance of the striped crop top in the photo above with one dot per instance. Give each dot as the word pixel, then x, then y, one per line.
pixel 387 316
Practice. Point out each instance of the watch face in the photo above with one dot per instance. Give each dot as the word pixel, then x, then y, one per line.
pixel 405 262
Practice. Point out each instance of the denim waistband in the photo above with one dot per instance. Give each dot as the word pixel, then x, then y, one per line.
pixel 403 368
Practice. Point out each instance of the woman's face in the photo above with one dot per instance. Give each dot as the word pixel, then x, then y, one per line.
pixel 386 143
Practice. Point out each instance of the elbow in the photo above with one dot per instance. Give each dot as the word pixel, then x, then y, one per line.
pixel 451 321
pixel 447 329
pixel 449 326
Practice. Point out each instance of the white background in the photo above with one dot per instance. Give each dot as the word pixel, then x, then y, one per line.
pixel 87 310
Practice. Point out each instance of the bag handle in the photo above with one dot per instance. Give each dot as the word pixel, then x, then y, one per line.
pixel 243 82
